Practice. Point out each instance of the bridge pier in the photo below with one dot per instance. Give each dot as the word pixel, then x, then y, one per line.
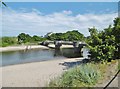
pixel 45 43
pixel 78 47
pixel 76 44
pixel 58 44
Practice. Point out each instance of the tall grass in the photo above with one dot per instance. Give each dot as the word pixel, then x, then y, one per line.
pixel 80 76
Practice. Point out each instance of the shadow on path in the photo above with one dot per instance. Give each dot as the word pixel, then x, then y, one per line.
pixel 72 64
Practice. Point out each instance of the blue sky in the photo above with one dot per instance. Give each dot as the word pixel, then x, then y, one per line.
pixel 38 18
pixel 75 7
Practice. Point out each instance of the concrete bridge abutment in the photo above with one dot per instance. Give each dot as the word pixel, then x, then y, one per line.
pixel 78 47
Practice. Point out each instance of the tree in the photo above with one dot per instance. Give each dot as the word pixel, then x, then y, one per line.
pixel 23 38
pixel 38 38
pixel 74 36
pixel 101 44
pixel 105 45
pixel 68 36
pixel 116 33
pixel 52 37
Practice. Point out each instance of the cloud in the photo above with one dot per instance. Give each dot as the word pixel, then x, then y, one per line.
pixel 36 22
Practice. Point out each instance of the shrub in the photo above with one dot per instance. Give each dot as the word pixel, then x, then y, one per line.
pixel 105 45
pixel 102 45
pixel 7 41
pixel 79 76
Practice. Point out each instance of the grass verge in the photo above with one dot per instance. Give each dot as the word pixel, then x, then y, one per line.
pixel 84 75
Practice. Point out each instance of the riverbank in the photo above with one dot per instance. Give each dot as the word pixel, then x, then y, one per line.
pixel 25 47
pixel 34 74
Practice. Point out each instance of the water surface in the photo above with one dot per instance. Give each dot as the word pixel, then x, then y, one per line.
pixel 36 55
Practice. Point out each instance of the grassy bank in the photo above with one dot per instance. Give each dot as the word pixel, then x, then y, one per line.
pixel 85 75
pixel 8 41
pixel 13 41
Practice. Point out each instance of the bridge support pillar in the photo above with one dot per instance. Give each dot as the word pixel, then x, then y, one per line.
pixel 45 43
pixel 77 48
pixel 57 45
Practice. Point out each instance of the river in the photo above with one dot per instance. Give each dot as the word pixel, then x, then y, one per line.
pixel 37 55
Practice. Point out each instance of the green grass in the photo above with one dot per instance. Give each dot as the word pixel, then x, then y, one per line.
pixel 86 75
pixel 8 41
pixel 80 76
pixel 13 41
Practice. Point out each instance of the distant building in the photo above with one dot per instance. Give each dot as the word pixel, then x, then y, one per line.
pixel 48 34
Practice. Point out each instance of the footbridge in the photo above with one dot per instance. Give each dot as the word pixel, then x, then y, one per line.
pixel 77 45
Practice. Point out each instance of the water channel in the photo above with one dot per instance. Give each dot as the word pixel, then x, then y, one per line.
pixel 37 55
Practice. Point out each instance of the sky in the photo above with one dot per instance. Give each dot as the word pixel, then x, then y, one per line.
pixel 39 18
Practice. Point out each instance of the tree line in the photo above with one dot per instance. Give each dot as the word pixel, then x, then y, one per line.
pixel 24 38
pixel 74 35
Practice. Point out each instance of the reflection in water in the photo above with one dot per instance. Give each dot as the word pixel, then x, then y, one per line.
pixel 67 52
pixel 58 52
pixel 17 57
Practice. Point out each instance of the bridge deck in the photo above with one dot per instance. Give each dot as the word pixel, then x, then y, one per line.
pixel 63 46
pixel 61 42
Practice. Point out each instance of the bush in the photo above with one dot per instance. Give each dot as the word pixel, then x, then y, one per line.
pixel 79 76
pixel 105 45
pixel 7 41
pixel 102 45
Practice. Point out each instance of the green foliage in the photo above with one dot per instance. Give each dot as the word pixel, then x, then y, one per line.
pixel 105 45
pixel 86 75
pixel 55 36
pixel 101 46
pixel 36 38
pixel 80 76
pixel 26 38
pixel 68 36
pixel 116 33
pixel 23 38
pixel 7 41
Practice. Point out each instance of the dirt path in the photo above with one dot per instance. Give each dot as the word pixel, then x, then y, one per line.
pixel 40 73
pixel 32 74
pixel 110 73
pixel 114 83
